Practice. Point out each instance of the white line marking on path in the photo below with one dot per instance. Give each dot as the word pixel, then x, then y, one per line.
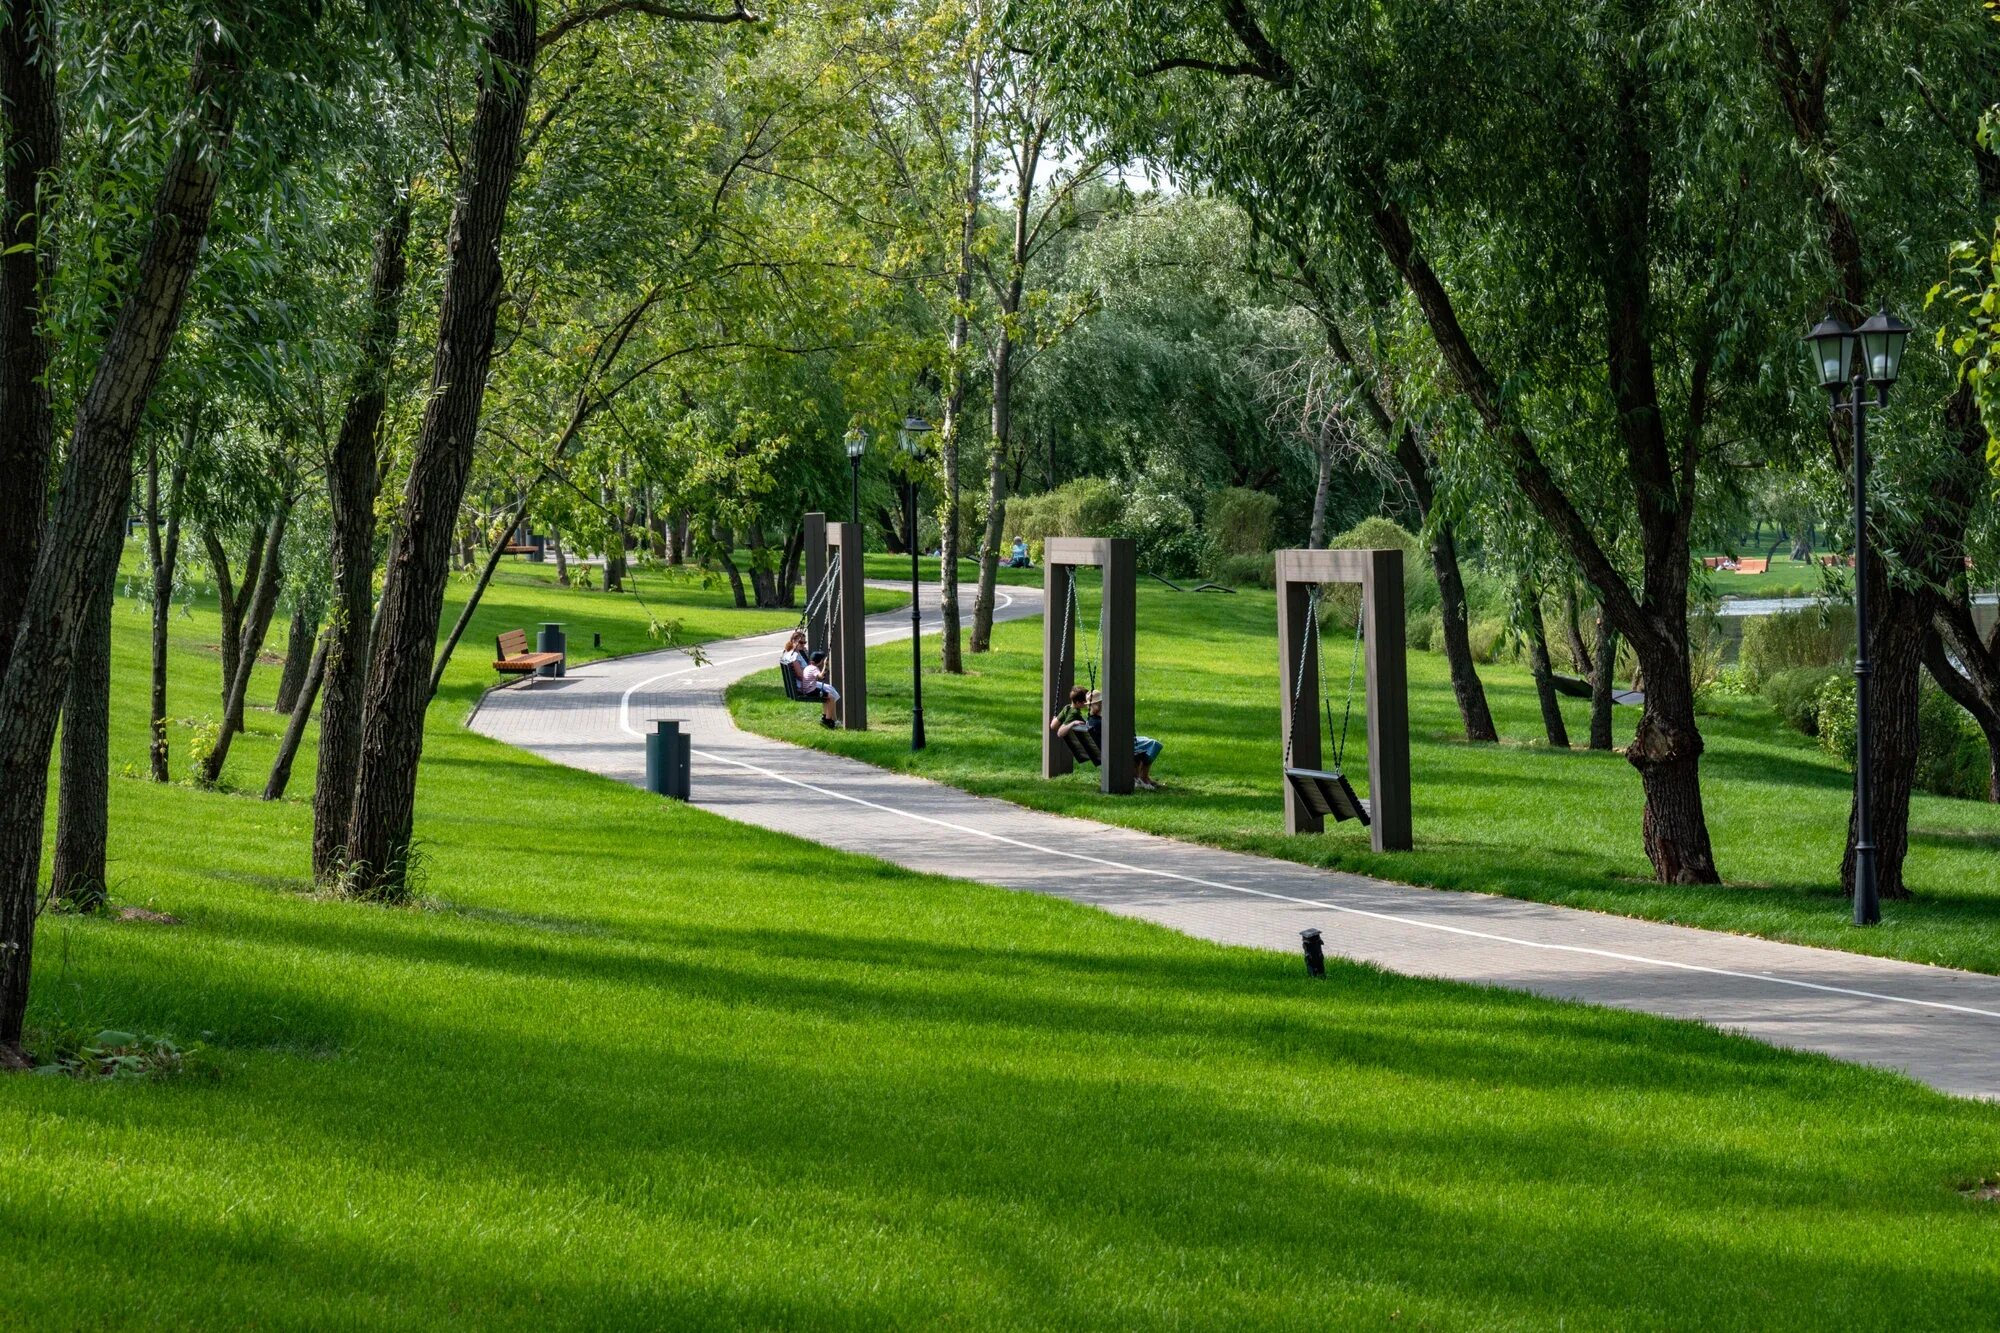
pixel 1392 917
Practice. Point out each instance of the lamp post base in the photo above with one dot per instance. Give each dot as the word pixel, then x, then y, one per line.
pixel 1867 899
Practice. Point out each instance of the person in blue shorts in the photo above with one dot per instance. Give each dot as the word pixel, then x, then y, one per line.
pixel 1144 748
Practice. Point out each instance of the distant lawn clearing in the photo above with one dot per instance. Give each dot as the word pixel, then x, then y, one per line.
pixel 1516 819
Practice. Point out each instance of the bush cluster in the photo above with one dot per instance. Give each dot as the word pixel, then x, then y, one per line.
pixel 1813 637
pixel 1952 758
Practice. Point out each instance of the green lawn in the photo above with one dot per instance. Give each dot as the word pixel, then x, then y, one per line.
pixel 628 1065
pixel 882 565
pixel 1517 819
pixel 1785 577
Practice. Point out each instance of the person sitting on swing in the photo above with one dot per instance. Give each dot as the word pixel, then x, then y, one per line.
pixel 1072 714
pixel 793 658
pixel 813 679
pixel 1144 748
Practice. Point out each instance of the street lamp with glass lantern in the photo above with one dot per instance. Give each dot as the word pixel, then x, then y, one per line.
pixel 912 435
pixel 857 445
pixel 1881 339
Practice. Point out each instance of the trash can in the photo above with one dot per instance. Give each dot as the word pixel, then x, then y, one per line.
pixel 550 640
pixel 540 554
pixel 668 760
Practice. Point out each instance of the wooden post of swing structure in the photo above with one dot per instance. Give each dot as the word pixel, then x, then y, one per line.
pixel 1117 629
pixel 815 546
pixel 847 655
pixel 1380 575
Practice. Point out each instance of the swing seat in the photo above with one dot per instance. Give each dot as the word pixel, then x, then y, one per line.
pixel 795 689
pixel 1326 792
pixel 1084 746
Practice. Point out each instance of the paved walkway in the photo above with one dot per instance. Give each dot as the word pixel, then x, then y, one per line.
pixel 1939 1026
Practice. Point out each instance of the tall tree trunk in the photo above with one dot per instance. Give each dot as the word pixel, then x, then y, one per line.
pixel 301 642
pixel 1538 666
pixel 295 729
pixel 1579 653
pixel 83 819
pixel 788 566
pixel 1604 666
pixel 398 688
pixel 1896 636
pixel 562 561
pixel 87 527
pixel 614 547
pixel 1453 615
pixel 262 600
pixel 1009 293
pixel 719 540
pixel 1316 535
pixel 352 478
pixel 230 603
pixel 761 576
pixel 951 655
pixel 164 554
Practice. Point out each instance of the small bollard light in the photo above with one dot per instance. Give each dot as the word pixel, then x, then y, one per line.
pixel 596 639
pixel 1315 955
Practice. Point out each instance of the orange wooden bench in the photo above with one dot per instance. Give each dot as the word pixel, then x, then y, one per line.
pixel 515 659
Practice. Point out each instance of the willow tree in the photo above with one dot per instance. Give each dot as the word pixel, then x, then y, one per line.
pixel 1534 178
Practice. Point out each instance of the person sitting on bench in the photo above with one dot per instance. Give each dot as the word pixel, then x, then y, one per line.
pixel 1018 557
pixel 1144 748
pixel 813 678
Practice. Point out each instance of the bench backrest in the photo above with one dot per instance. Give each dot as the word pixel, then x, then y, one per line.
pixel 512 643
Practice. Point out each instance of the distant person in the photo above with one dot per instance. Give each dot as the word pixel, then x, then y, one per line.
pixel 1018 557
pixel 815 682
pixel 1144 748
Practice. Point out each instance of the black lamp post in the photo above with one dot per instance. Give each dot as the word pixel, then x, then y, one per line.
pixel 857 445
pixel 1881 337
pixel 912 434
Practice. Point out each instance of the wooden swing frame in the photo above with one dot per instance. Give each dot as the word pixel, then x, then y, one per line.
pixel 1117 627
pixel 1380 576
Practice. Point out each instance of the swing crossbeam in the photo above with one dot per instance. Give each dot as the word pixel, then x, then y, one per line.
pixel 1313 791
pixel 1117 625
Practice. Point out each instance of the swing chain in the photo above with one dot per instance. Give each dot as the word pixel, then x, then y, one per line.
pixel 1306 643
pixel 1353 665
pixel 1069 619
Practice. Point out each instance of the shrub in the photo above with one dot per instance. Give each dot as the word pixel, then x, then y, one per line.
pixel 1795 695
pixel 1951 752
pixel 1162 527
pixel 1243 571
pixel 1085 507
pixel 1239 521
pixel 1490 637
pixel 1814 637
pixel 1952 759
pixel 1835 702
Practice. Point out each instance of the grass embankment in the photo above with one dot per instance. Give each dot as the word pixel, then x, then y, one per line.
pixel 1784 577
pixel 1517 819
pixel 629 1065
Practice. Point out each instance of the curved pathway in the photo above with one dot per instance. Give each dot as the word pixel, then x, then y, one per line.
pixel 1937 1025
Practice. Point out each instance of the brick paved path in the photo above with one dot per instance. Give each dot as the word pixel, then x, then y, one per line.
pixel 1937 1025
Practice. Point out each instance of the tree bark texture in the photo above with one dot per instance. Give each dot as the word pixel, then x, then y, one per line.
pixel 86 529
pixel 164 554
pixel 951 651
pixel 301 642
pixel 83 818
pixel 1540 668
pixel 257 623
pixel 398 688
pixel 352 478
pixel 1604 666
pixel 295 728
